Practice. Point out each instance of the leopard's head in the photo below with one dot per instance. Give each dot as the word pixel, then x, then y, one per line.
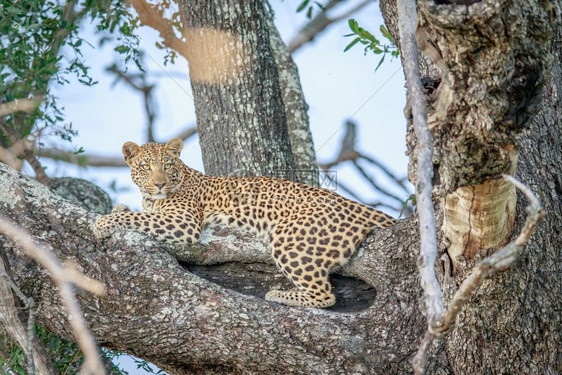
pixel 155 168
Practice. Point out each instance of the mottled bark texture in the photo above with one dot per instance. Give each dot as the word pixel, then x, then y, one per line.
pixel 238 101
pixel 296 110
pixel 489 67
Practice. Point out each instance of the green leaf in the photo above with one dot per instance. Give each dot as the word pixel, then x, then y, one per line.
pixel 385 33
pixel 353 25
pixel 121 49
pixel 380 63
pixel 367 35
pixel 303 5
pixel 354 42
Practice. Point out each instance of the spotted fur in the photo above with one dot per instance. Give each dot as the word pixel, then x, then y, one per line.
pixel 311 230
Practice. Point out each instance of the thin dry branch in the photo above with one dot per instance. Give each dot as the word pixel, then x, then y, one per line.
pixel 61 278
pixel 95 160
pixel 407 21
pixel 501 260
pixel 138 83
pixel 40 174
pixel 348 152
pixel 320 22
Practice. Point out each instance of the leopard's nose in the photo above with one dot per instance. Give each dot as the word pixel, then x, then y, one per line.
pixel 160 185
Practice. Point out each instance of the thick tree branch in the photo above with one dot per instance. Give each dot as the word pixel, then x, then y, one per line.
pixel 184 317
pixel 296 109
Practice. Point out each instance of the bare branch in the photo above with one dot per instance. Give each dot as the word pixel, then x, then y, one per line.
pixel 92 361
pixel 92 160
pixel 386 171
pixel 319 23
pixel 151 17
pixel 428 244
pixel 40 174
pixel 502 259
pixel 374 184
pixel 146 91
pixel 95 160
pixel 187 132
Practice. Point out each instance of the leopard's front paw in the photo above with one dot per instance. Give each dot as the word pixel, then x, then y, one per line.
pixel 120 208
pixel 102 228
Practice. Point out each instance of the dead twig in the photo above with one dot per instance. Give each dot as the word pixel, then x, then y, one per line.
pixel 501 260
pixel 63 279
pixel 433 301
pixel 95 160
pixel 320 22
pixel 138 82
pixel 26 153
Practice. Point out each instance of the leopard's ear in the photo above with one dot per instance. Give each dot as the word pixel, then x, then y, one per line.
pixel 130 150
pixel 174 146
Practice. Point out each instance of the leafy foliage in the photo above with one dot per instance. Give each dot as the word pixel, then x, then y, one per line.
pixel 33 33
pixel 65 355
pixel 370 42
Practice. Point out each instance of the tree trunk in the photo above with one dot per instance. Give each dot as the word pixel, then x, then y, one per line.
pixel 238 100
pixel 488 71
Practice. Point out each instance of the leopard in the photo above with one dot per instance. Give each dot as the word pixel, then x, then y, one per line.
pixel 310 230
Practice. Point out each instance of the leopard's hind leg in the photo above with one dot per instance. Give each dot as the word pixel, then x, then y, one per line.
pixel 307 267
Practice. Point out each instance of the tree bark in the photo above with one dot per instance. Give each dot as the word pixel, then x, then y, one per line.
pixel 296 110
pixel 238 100
pixel 488 71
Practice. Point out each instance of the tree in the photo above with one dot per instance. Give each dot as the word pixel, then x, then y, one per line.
pixel 490 94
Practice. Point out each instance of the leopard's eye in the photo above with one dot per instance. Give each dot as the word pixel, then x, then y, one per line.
pixel 167 166
pixel 146 167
